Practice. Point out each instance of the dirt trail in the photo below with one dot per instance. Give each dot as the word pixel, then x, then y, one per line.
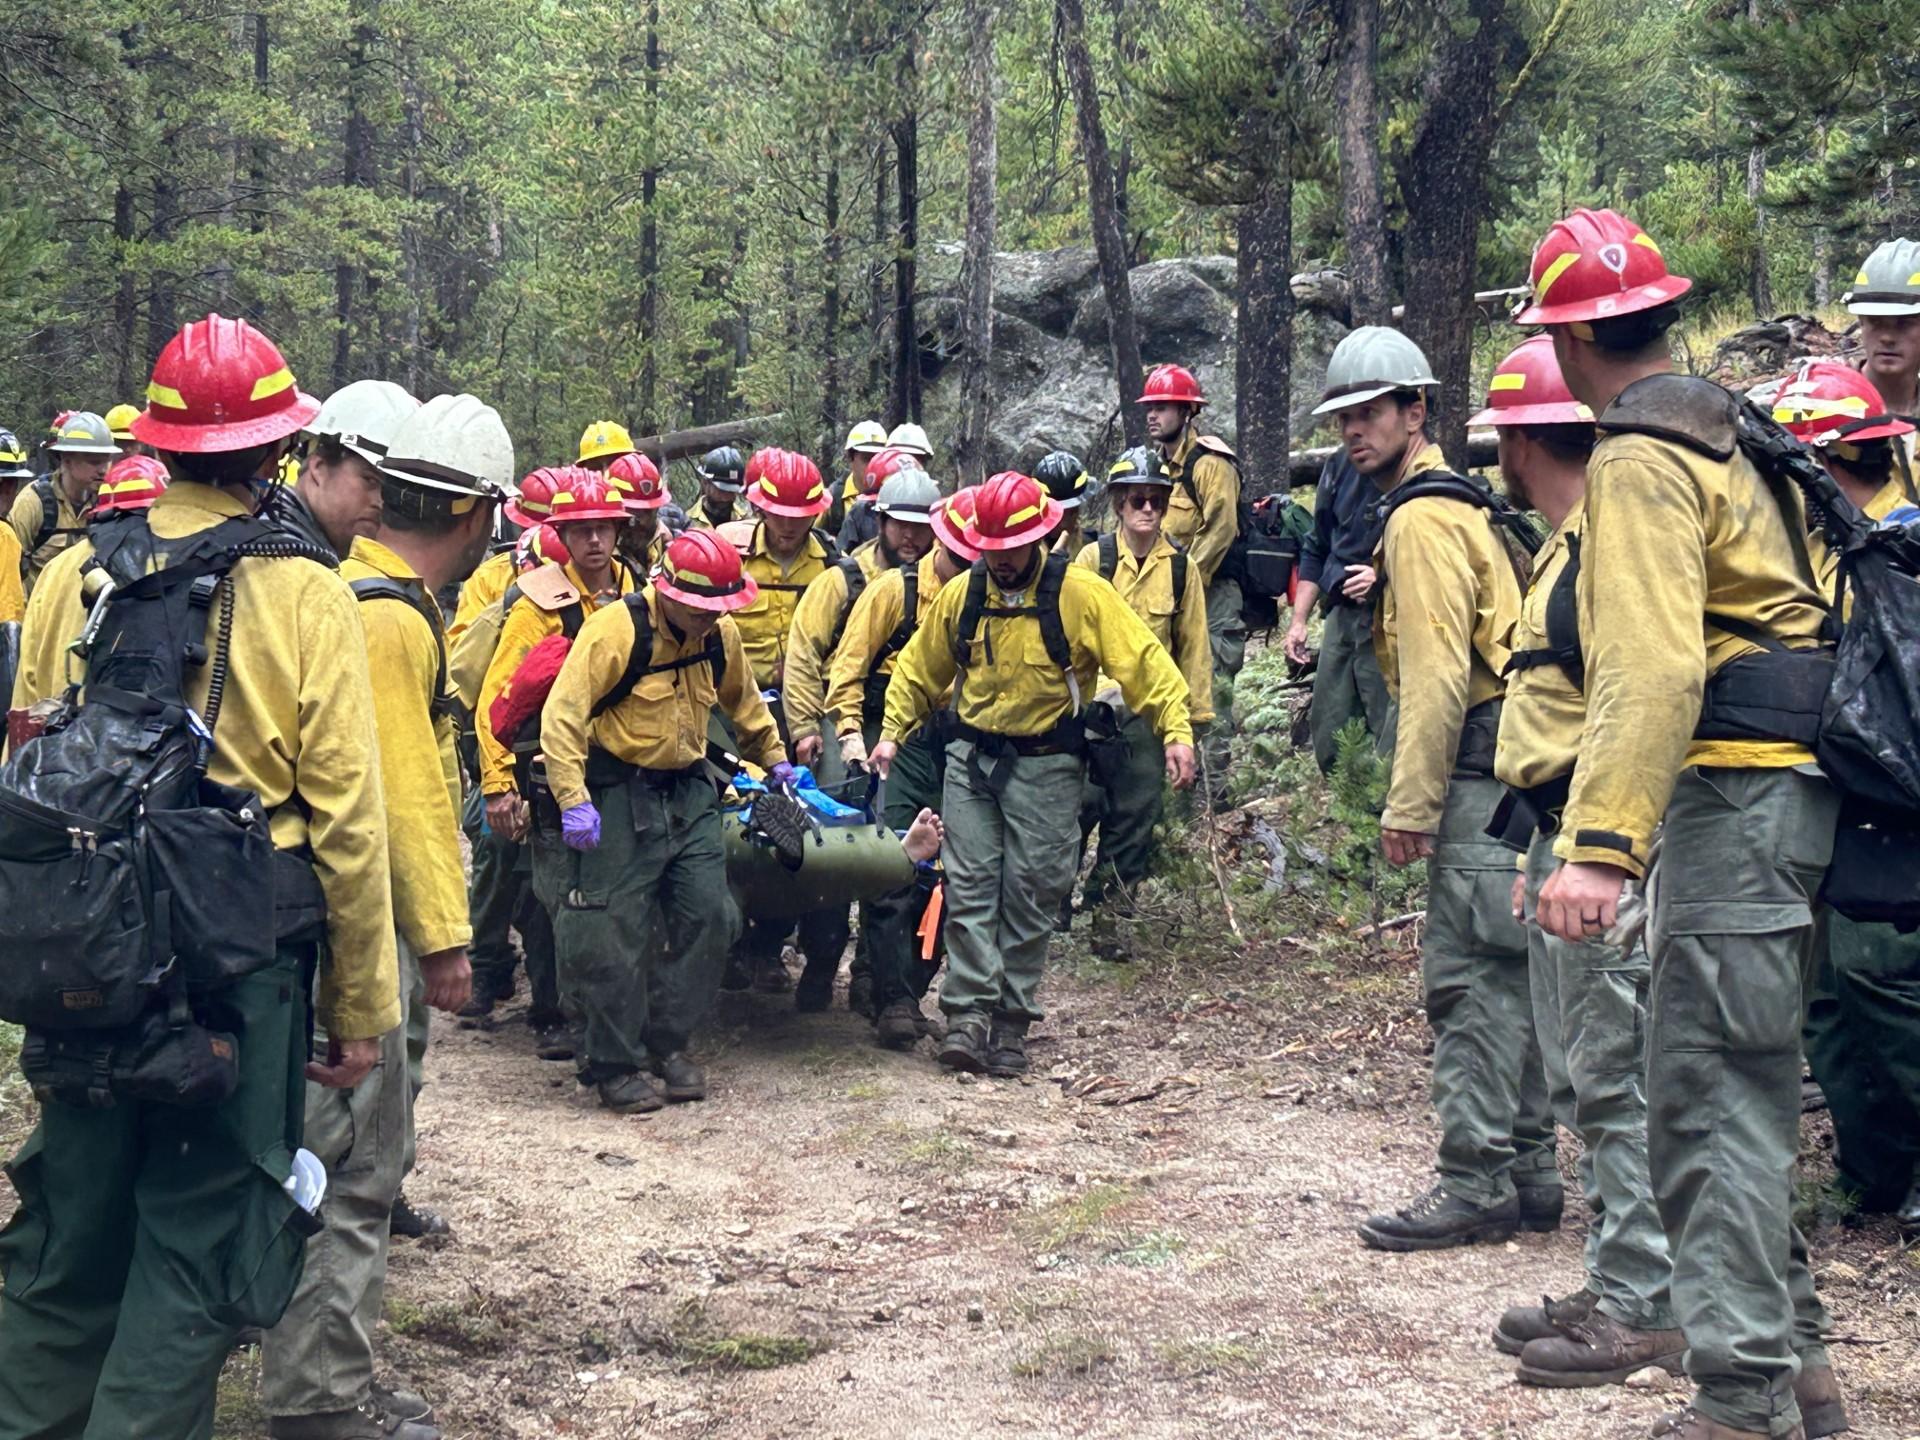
pixel 932 1256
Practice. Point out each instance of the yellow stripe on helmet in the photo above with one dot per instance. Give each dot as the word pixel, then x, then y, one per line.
pixel 1510 380
pixel 158 394
pixel 1027 514
pixel 281 379
pixel 1647 240
pixel 1554 271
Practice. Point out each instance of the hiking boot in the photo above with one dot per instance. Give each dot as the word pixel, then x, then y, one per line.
pixel 1908 1216
pixel 1107 941
pixel 680 1077
pixel 814 993
pixel 772 977
pixel 364 1422
pixel 1537 1322
pixel 739 973
pixel 860 992
pixel 1690 1424
pixel 1599 1351
pixel 487 993
pixel 965 1047
pixel 557 1042
pixel 1822 1411
pixel 404 1404
pixel 1541 1207
pixel 1063 917
pixel 1440 1220
pixel 414 1223
pixel 784 821
pixel 630 1094
pixel 1007 1049
pixel 898 1027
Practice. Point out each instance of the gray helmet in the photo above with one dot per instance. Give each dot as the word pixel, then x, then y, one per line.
pixel 909 495
pixel 13 458
pixel 1374 360
pixel 1064 477
pixel 83 433
pixel 1141 465
pixel 673 518
pixel 1889 282
pixel 723 468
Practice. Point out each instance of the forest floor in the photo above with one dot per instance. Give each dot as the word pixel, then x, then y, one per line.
pixel 1151 1236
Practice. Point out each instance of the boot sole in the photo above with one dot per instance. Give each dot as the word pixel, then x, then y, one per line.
pixel 1541 1226
pixel 686 1097
pixel 1506 1344
pixel 1403 1244
pixel 1588 1379
pixel 1827 1419
pixel 1005 1072
pixel 962 1060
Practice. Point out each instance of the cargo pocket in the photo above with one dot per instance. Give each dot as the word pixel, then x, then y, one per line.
pixel 23 1242
pixel 264 1258
pixel 1731 993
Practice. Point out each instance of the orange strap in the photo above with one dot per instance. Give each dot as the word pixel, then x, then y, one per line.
pixel 929 931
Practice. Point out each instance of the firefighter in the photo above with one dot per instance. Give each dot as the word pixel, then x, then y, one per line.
pixel 1065 479
pixel 602 443
pixel 1020 643
pixel 884 619
pixel 865 440
pixel 50 515
pixel 723 479
pixel 644 916
pixel 1886 298
pixel 1589 999
pixel 636 480
pixel 338 494
pixel 1447 596
pixel 861 524
pixel 148 1235
pixel 1693 724
pixel 120 424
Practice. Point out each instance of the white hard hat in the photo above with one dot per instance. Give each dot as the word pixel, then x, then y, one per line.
pixel 364 417
pixel 1888 282
pixel 1374 360
pixel 912 439
pixel 453 443
pixel 909 495
pixel 868 437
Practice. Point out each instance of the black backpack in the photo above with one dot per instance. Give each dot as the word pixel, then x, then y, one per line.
pixel 50 526
pixel 130 883
pixel 873 699
pixel 1520 537
pixel 1563 646
pixel 413 595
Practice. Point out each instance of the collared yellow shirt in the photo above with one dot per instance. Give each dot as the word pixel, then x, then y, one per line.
pixel 1544 713
pixel 766 624
pixel 26 518
pixel 822 608
pixel 1205 530
pixel 876 615
pixel 1147 586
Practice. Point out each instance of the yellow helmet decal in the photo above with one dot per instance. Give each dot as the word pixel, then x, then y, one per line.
pixel 1019 516
pixel 1510 380
pixel 1554 271
pixel 281 379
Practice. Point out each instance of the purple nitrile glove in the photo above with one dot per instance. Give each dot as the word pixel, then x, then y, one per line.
pixel 580 827
pixel 783 777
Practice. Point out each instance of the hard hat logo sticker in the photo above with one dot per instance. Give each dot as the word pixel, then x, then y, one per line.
pixel 1614 257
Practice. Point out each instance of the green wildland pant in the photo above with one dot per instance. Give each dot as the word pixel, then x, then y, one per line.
pixel 1489 1087
pixel 149 1235
pixel 1227 632
pixel 319 1359
pixel 1589 1011
pixel 891 922
pixel 1731 936
pixel 644 920
pixel 1010 858
pixel 1125 809
pixel 500 897
pixel 1863 1042
pixel 1347 682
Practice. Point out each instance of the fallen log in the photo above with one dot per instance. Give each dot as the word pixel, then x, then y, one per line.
pixel 1303 466
pixel 680 444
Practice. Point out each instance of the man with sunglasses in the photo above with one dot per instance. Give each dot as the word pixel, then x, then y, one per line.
pixel 1124 796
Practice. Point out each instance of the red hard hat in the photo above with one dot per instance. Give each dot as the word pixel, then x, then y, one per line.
pixel 757 463
pixel 636 480
pixel 218 385
pixel 540 545
pixel 952 519
pixel 884 465
pixel 535 501
pixel 1594 265
pixel 1171 384
pixel 130 484
pixel 1528 389
pixel 1012 510
pixel 789 484
pixel 522 696
pixel 580 494
pixel 1824 403
pixel 703 571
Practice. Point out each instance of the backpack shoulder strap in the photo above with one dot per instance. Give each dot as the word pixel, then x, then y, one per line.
pixel 639 658
pixel 971 611
pixel 572 617
pixel 1179 575
pixel 856 579
pixel 1109 556
pixel 909 615
pixel 49 513
pixel 1046 599
pixel 1563 627
pixel 385 587
pixel 1445 485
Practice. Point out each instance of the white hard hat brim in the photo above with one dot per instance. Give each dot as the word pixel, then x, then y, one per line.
pixel 1352 398
pixel 446 482
pixel 1884 307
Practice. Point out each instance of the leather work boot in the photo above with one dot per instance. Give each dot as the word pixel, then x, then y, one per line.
pixel 965 1047
pixel 556 1042
pixel 814 993
pixel 404 1404
pixel 1007 1049
pixel 1822 1411
pixel 771 978
pixel 412 1223
pixel 739 972
pixel 860 993
pixel 486 995
pixel 630 1094
pixel 1909 1213
pixel 899 1025
pixel 1541 1207
pixel 1599 1351
pixel 682 1079
pixel 364 1422
pixel 1690 1424
pixel 1439 1220
pixel 1537 1322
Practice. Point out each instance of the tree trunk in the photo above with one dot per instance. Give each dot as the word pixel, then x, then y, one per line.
pixel 832 414
pixel 1444 182
pixel 127 372
pixel 257 171
pixel 879 321
pixel 1760 286
pixel 410 239
pixel 650 230
pixel 1362 209
pixel 906 330
pixel 976 274
pixel 160 296
pixel 1264 355
pixel 356 170
pixel 1070 19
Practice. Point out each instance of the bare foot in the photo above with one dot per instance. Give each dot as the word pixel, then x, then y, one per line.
pixel 923 837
